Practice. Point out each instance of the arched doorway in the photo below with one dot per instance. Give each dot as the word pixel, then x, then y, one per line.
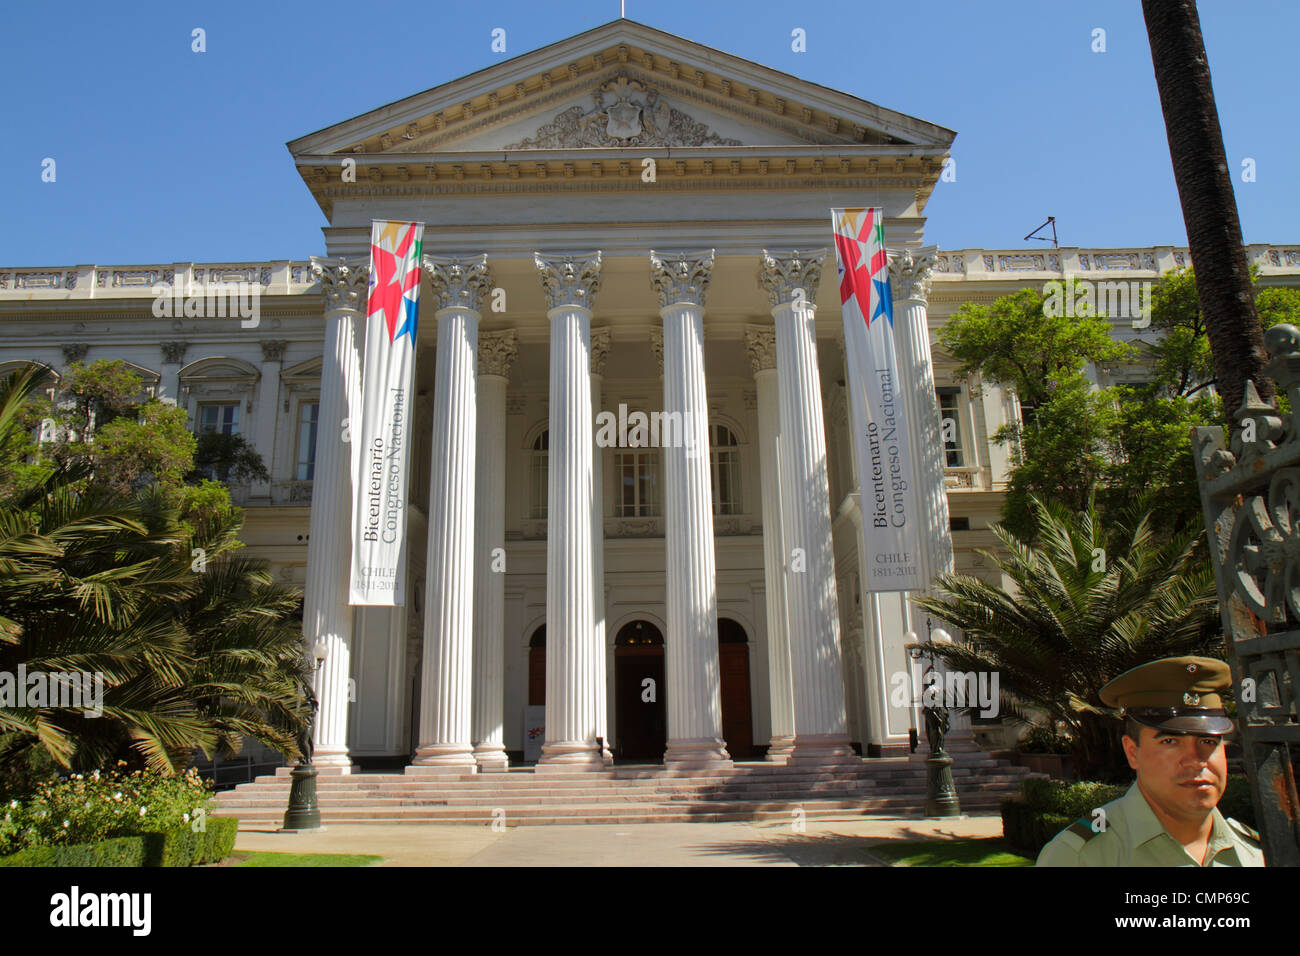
pixel 737 716
pixel 537 668
pixel 639 692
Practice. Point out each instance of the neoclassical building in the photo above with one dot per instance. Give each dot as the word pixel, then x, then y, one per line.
pixel 627 222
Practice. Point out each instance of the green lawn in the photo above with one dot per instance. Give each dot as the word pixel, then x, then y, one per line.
pixel 300 859
pixel 985 851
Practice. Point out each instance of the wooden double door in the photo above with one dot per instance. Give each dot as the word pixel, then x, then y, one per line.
pixel 640 694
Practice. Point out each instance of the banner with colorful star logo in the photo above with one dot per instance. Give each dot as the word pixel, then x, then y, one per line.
pixel 878 409
pixel 381 446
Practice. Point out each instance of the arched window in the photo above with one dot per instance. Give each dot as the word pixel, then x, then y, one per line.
pixel 724 456
pixel 638 634
pixel 538 473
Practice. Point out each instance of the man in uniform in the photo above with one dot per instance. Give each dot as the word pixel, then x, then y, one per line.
pixel 1174 724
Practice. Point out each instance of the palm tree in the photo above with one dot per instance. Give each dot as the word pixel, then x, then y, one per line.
pixel 1085 605
pixel 1205 193
pixel 194 653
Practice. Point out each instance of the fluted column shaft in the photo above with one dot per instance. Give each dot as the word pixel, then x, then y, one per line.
pixel 496 354
pixel 445 706
pixel 761 343
pixel 573 686
pixel 691 668
pixel 820 725
pixel 910 281
pixel 599 350
pixel 327 617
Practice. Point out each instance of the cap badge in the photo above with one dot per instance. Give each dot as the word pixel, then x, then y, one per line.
pixel 1191 698
pixel 1191 668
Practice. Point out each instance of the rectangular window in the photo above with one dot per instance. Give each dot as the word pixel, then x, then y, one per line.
pixel 726 473
pixel 638 484
pixel 950 421
pixel 220 418
pixel 308 425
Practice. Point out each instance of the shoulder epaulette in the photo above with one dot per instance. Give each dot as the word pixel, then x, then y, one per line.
pixel 1082 828
pixel 1248 832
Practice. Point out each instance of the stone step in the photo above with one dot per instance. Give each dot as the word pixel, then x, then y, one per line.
pixel 628 815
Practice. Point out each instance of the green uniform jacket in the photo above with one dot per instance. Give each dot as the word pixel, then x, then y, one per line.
pixel 1133 836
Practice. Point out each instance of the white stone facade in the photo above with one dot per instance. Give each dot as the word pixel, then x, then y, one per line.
pixel 560 283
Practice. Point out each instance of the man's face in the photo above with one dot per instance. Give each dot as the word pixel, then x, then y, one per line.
pixel 1185 775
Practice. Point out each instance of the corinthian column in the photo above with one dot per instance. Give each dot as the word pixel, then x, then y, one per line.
pixel 692 672
pixel 326 614
pixel 445 739
pixel 496 353
pixel 599 352
pixel 909 279
pixel 820 728
pixel 760 341
pixel 573 684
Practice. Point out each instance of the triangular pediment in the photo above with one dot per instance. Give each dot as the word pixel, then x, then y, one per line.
pixel 621 85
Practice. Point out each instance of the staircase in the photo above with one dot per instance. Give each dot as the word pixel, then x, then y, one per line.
pixel 750 791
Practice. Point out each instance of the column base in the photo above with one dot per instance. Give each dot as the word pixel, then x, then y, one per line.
pixel 778 750
pixel 439 758
pixel 822 750
pixel 491 758
pixel 575 756
pixel 332 761
pixel 702 753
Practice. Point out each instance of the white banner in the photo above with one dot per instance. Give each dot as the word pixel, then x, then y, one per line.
pixel 381 446
pixel 886 484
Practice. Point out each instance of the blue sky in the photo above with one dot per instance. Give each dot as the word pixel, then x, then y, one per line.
pixel 165 155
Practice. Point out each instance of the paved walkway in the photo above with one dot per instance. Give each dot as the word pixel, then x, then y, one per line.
pixel 822 843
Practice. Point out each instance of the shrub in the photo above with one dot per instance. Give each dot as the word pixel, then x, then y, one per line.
pixel 177 847
pixel 90 808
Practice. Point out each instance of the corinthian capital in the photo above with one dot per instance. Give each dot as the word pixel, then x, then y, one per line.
pixel 458 282
pixel 681 278
pixel 783 274
pixel 569 280
pixel 345 281
pixel 599 350
pixel 760 342
pixel 909 273
pixel 496 352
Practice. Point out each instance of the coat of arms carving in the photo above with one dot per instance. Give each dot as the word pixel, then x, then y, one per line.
pixel 637 116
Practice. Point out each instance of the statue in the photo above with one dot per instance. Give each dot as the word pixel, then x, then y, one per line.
pixel 305 744
pixel 936 725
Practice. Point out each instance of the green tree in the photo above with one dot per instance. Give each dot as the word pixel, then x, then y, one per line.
pixel 197 646
pixel 1087 603
pixel 1019 343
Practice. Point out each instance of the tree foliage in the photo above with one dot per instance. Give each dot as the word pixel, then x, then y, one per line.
pixel 136 578
pixel 1088 601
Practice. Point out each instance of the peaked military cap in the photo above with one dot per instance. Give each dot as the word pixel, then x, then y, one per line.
pixel 1175 695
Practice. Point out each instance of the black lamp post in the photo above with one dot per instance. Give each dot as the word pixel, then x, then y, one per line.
pixel 303 813
pixel 940 790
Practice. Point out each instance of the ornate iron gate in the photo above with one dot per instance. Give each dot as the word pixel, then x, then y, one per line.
pixel 1251 498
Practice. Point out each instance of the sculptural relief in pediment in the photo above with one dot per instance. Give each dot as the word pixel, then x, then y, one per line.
pixel 627 112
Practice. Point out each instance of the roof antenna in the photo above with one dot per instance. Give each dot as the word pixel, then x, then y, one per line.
pixel 622 9
pixel 1051 221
